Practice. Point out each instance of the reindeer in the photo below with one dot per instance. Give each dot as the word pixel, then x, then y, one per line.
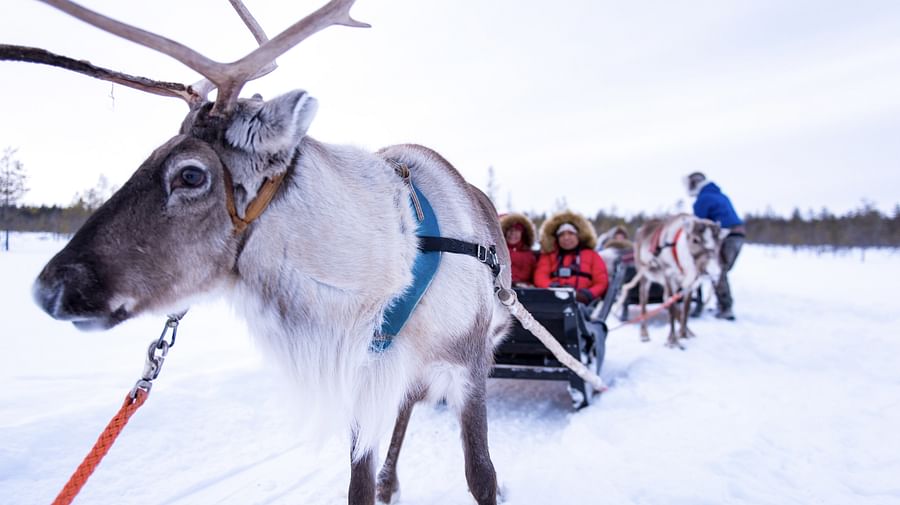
pixel 238 203
pixel 674 252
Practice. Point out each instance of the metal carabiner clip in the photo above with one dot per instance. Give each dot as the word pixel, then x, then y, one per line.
pixel 156 355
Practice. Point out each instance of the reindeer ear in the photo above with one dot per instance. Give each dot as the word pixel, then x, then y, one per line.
pixel 302 108
pixel 273 126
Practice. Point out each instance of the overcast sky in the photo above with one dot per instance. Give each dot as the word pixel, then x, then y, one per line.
pixel 596 104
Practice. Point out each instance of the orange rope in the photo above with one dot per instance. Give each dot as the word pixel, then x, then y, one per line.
pixel 84 471
pixel 668 303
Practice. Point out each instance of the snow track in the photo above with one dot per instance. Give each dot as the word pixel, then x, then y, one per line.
pixel 795 403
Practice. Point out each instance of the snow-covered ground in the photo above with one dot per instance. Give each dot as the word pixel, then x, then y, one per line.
pixel 798 402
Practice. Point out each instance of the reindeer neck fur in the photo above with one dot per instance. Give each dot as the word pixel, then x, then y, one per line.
pixel 317 271
pixel 322 264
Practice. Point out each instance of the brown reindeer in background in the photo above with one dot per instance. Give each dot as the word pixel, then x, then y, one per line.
pixel 238 201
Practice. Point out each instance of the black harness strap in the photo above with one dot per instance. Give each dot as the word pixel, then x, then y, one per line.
pixel 575 273
pixel 660 247
pixel 486 255
pixel 574 267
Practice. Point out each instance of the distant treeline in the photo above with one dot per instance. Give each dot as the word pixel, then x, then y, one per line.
pixel 864 227
pixel 55 219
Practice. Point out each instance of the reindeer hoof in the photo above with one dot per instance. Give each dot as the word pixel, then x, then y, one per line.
pixel 673 343
pixel 388 498
pixel 386 493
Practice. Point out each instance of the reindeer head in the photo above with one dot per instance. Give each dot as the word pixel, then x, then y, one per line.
pixel 704 244
pixel 173 231
pixel 168 234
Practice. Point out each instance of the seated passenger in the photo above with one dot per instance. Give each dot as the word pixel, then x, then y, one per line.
pixel 519 233
pixel 616 246
pixel 568 257
pixel 618 239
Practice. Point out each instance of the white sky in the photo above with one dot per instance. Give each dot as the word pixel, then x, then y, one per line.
pixel 601 104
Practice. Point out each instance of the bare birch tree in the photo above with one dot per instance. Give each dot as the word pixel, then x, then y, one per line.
pixel 12 187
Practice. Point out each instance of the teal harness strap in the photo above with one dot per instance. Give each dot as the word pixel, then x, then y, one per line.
pixel 424 267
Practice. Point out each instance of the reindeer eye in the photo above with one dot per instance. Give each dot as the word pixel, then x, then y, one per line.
pixel 191 177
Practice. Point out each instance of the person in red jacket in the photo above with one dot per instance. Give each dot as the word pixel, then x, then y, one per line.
pixel 520 235
pixel 568 257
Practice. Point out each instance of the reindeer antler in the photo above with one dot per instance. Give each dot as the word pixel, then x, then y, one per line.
pixel 229 78
pixel 204 86
pixel 194 94
pixel 190 94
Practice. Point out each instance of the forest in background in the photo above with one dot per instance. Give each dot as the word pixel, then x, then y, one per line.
pixel 863 227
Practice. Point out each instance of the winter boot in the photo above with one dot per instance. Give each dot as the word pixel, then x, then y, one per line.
pixel 726 314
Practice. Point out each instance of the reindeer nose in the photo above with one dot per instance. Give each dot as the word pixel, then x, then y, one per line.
pixel 66 291
pixel 47 296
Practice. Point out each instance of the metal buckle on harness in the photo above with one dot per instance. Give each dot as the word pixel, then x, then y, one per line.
pixel 481 253
pixel 487 255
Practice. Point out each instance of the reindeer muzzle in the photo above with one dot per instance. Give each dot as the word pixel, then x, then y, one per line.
pixel 72 292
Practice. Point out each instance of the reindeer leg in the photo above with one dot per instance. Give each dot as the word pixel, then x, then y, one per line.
pixel 673 315
pixel 685 312
pixel 362 478
pixel 388 485
pixel 480 473
pixel 643 296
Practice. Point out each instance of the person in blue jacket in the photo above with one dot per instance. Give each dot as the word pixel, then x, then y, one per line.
pixel 714 205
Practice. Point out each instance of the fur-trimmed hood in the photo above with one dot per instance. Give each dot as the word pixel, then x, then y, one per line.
pixel 619 229
pixel 607 240
pixel 528 233
pixel 587 237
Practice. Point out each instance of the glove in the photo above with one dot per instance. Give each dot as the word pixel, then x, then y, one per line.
pixel 584 296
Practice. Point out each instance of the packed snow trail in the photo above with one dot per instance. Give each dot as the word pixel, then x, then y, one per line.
pixel 795 403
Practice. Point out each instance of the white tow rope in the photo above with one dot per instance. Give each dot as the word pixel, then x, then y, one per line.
pixel 508 297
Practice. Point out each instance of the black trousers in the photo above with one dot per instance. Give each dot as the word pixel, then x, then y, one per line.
pixel 731 247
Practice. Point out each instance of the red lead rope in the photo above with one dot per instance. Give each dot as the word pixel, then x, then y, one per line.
pixel 668 303
pixel 101 447
pixel 156 355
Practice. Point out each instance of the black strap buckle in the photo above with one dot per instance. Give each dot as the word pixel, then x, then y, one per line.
pixel 481 253
pixel 486 255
